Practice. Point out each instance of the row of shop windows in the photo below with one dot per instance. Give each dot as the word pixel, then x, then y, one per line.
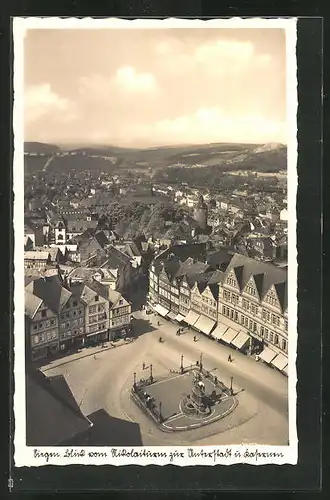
pixel 247 306
pixel 44 337
pixel 254 327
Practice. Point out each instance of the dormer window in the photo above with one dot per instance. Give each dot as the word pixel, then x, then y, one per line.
pixel 96 298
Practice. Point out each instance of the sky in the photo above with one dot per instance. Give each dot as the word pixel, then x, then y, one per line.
pixel 146 88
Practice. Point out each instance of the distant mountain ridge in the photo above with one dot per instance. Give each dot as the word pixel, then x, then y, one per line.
pixel 225 156
pixel 40 147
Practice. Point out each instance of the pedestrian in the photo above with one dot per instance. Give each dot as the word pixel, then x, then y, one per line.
pixel 195 338
pixel 230 358
pixel 143 365
pixel 94 356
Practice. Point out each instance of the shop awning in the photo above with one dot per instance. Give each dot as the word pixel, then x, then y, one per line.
pixel 179 318
pixel 204 324
pixel 267 355
pixel 191 318
pixel 280 361
pixel 285 369
pixel 219 331
pixel 171 315
pixel 161 310
pixel 229 336
pixel 241 340
pixel 95 333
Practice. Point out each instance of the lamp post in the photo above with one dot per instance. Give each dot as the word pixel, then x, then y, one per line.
pixel 201 362
pixel 231 384
pixel 181 366
pixel 151 377
pixel 134 380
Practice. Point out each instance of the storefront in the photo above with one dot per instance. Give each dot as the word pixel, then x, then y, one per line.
pixel 241 341
pixel 96 338
pixel 219 331
pixel 44 352
pixel 280 362
pixel 204 324
pixel 229 336
pixel 39 353
pixel 179 318
pixel 267 355
pixel 161 310
pixel 191 318
pixel 171 315
pixel 256 345
pixel 120 332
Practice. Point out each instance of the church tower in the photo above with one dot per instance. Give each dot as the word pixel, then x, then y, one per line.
pixel 201 213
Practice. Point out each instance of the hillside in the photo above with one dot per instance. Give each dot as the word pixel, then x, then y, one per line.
pixel 263 158
pixel 40 147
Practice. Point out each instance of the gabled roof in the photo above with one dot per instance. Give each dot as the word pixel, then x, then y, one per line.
pixel 98 288
pixel 171 266
pixel 87 247
pixel 52 414
pixel 77 289
pixel 191 266
pixel 51 291
pixel 197 278
pixel 32 304
pixel 36 255
pixel 116 258
pixel 265 275
pixel 82 273
pixel 220 258
pixel 194 250
pixel 85 236
pixel 216 277
pixel 214 290
pixel 101 239
pixel 53 251
pixel 106 274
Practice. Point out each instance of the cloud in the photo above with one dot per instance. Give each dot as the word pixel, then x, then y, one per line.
pixel 40 100
pixel 207 125
pixel 126 80
pixel 221 56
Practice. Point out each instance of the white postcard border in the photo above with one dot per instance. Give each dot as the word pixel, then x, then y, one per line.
pixel 182 456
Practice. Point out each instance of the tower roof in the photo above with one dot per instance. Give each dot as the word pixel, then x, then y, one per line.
pixel 201 203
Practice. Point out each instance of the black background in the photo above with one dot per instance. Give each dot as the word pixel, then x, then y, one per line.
pixel 306 476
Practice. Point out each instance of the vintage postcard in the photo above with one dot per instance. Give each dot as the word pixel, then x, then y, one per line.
pixel 155 241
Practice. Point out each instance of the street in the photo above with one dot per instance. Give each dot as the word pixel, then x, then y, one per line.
pixel 105 380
